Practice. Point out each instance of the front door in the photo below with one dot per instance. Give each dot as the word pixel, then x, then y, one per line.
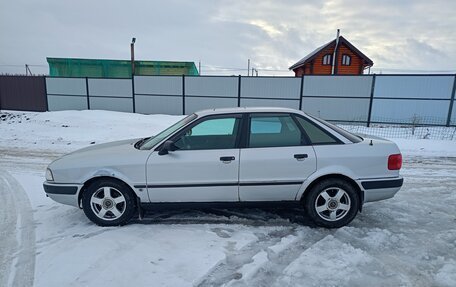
pixel 277 159
pixel 205 166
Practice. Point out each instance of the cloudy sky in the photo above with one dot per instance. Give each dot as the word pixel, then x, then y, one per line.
pixel 399 36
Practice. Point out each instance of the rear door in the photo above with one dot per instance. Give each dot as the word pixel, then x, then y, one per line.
pixel 277 159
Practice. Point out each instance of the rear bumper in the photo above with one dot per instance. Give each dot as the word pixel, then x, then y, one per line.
pixel 63 193
pixel 379 189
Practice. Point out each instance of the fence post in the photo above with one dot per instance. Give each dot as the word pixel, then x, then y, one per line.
pixel 239 91
pixel 369 114
pixel 46 94
pixel 133 93
pixel 183 94
pixel 87 93
pixel 301 92
pixel 450 108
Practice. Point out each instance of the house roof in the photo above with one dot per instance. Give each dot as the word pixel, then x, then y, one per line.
pixel 315 52
pixel 77 67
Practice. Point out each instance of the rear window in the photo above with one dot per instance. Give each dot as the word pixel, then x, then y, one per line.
pixel 348 135
pixel 316 134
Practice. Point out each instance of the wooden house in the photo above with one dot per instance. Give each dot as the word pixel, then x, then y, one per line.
pixel 349 60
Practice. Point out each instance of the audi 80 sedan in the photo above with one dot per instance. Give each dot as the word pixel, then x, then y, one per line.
pixel 238 156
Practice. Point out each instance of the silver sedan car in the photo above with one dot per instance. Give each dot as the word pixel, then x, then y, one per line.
pixel 237 156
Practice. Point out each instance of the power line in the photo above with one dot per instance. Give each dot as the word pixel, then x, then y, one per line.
pixel 21 65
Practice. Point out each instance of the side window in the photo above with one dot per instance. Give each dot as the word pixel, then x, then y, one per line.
pixel 217 133
pixel 274 131
pixel 315 133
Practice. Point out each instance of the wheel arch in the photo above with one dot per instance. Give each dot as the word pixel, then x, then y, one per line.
pixel 91 180
pixel 346 178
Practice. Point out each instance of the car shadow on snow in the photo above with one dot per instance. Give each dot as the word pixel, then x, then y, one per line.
pixel 265 216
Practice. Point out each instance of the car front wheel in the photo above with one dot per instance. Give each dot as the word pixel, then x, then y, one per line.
pixel 332 203
pixel 108 202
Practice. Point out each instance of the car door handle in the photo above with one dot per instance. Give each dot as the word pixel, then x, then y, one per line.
pixel 301 156
pixel 227 159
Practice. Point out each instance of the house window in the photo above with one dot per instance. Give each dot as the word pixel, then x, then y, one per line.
pixel 327 59
pixel 346 60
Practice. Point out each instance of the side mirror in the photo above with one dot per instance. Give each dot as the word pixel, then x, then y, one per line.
pixel 167 147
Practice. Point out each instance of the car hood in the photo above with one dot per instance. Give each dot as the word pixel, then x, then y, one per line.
pixel 98 147
pixel 100 154
pixel 119 159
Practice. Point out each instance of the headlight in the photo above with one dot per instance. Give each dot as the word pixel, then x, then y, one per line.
pixel 49 176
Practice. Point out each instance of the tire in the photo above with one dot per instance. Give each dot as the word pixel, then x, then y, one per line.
pixel 108 202
pixel 332 203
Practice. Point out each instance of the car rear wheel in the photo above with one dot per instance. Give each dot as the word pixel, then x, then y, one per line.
pixel 108 202
pixel 332 203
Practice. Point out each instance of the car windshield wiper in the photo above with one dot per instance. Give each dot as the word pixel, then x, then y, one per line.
pixel 140 142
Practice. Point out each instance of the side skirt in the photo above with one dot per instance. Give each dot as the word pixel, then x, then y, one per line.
pixel 235 204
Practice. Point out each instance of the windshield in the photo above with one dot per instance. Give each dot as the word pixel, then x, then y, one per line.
pixel 151 142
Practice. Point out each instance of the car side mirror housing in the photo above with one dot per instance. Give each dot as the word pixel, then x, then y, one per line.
pixel 167 147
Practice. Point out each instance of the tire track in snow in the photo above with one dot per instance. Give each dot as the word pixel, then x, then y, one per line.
pixel 281 256
pixel 17 251
pixel 228 272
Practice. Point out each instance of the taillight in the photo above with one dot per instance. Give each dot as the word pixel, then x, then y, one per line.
pixel 395 161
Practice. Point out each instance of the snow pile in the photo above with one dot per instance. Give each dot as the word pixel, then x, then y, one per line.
pixel 66 131
pixel 426 147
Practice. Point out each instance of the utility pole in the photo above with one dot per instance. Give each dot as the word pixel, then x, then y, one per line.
pixel 27 70
pixel 132 51
pixel 334 60
pixel 248 67
pixel 199 67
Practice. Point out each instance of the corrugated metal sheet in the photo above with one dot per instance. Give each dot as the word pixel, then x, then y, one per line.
pixel 62 103
pixel 158 85
pixel 293 104
pixel 112 104
pixel 110 87
pixel 256 87
pixel 66 86
pixel 435 87
pixel 410 111
pixel 158 105
pixel 337 86
pixel 24 93
pixel 340 98
pixel 337 109
pixel 66 94
pixel 196 104
pixel 212 86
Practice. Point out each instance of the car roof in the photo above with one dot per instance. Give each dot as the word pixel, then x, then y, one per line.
pixel 246 110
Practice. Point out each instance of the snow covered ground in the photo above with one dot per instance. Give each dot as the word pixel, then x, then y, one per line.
pixel 409 240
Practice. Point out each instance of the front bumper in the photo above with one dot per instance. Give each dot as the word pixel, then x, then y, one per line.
pixel 379 189
pixel 62 192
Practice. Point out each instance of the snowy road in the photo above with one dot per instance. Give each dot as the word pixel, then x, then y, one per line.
pixel 406 241
pixel 409 240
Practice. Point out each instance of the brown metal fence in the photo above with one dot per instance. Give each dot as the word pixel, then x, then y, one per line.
pixel 24 93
